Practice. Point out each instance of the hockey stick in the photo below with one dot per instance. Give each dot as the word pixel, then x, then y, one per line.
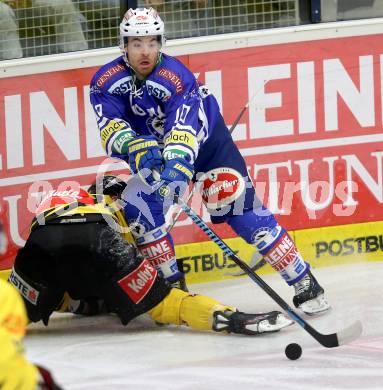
pixel 179 212
pixel 245 107
pixel 327 340
pixel 257 261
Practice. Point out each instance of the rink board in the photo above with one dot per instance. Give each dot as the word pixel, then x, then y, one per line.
pixel 336 245
pixel 328 246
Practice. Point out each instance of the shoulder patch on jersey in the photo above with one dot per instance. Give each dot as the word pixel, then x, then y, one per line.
pixel 138 283
pixel 94 89
pixel 121 86
pixel 221 187
pixel 157 90
pixel 173 78
pixel 108 74
pixel 203 91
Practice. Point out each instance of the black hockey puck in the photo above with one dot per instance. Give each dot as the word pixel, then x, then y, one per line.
pixel 293 351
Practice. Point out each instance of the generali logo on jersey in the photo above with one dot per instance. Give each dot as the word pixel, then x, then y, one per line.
pixel 139 282
pixel 173 78
pixel 108 74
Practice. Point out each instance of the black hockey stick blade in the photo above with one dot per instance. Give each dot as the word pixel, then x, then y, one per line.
pixel 342 337
pixel 332 340
pixel 327 340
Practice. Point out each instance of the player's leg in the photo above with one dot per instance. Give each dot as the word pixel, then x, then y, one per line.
pixel 259 227
pixel 145 215
pixel 203 313
pixel 230 197
pixel 112 270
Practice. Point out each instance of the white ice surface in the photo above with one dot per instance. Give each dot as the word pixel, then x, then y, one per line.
pixel 99 353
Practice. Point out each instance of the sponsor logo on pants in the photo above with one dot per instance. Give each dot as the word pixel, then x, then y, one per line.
pixel 282 254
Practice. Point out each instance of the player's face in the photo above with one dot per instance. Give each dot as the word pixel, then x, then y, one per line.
pixel 143 54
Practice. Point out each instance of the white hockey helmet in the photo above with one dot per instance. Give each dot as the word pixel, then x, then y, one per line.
pixel 141 22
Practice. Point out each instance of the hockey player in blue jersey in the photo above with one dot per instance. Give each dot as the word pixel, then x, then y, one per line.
pixel 154 114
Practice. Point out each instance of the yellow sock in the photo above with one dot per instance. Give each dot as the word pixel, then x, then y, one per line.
pixel 180 307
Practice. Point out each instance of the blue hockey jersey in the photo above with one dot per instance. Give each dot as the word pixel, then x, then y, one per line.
pixel 169 104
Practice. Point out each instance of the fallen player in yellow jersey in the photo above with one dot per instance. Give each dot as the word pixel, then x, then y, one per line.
pixel 80 245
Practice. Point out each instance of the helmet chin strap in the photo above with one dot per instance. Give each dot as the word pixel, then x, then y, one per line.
pixel 126 59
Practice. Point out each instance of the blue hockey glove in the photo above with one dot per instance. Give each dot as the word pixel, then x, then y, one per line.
pixel 144 156
pixel 174 179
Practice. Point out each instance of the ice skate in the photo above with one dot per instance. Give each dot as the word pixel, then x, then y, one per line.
pixel 309 295
pixel 249 324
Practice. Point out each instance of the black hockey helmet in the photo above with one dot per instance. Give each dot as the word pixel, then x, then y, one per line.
pixel 108 185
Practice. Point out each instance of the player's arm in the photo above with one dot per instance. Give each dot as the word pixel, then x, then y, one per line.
pixel 204 313
pixel 183 128
pixel 115 132
pixel 119 140
pixel 182 139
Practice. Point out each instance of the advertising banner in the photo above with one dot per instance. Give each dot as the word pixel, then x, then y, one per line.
pixel 312 135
